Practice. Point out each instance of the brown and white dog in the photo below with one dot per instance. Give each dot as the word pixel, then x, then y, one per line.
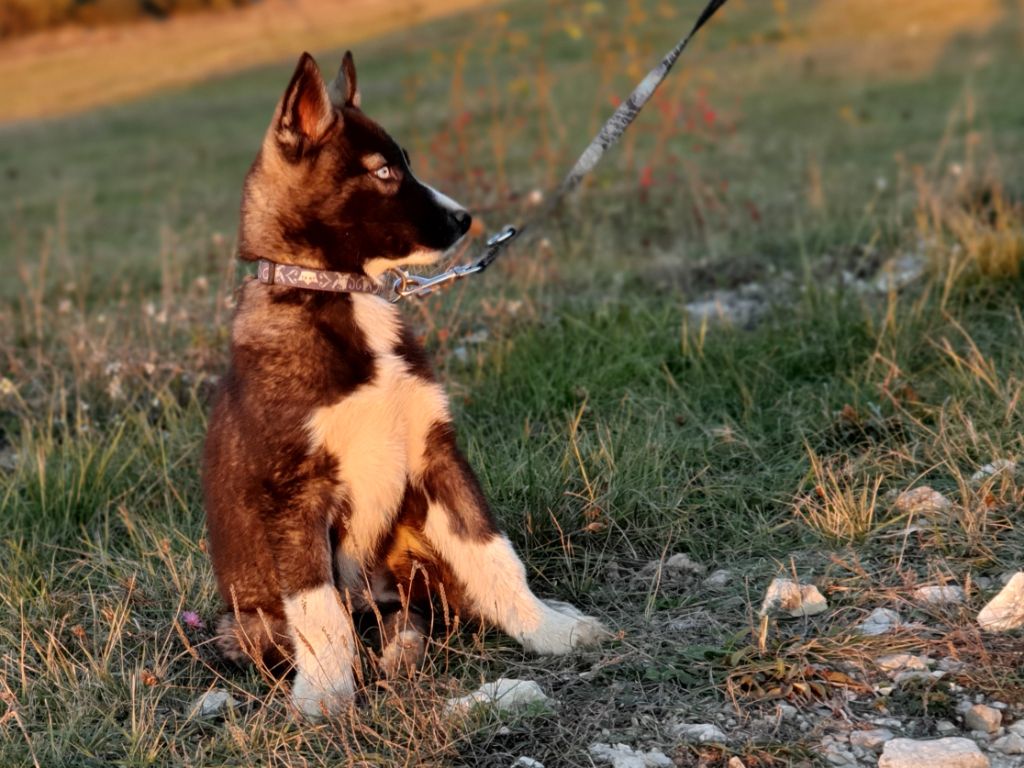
pixel 332 480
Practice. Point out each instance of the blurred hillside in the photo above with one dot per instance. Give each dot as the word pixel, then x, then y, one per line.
pixel 21 17
pixel 77 66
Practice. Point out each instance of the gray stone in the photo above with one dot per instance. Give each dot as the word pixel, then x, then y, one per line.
pixel 527 762
pixel 945 728
pixel 678 566
pixel 718 579
pixel 939 595
pixel 624 756
pixel 879 622
pixel 787 598
pixel 787 711
pixel 682 562
pixel 932 753
pixel 213 703
pixel 1010 744
pixel 1005 611
pixel 726 307
pixel 1017 728
pixel 503 694
pixel 699 732
pixel 900 272
pixel 997 467
pixel 836 753
pixel 873 739
pixel 983 718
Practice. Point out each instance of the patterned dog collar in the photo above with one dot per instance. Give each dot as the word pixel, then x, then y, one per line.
pixel 272 273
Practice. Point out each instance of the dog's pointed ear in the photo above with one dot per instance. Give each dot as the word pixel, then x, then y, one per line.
pixel 305 112
pixel 345 88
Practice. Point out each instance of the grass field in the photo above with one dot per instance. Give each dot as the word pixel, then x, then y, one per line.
pixel 796 165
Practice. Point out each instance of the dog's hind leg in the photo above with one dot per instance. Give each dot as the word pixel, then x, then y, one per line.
pixel 400 635
pixel 459 526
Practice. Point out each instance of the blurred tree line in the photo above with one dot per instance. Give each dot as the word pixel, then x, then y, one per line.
pixel 19 17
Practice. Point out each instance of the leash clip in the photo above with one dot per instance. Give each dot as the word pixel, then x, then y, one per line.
pixel 500 238
pixel 406 285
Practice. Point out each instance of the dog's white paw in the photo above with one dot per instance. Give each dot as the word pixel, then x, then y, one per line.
pixel 562 628
pixel 316 697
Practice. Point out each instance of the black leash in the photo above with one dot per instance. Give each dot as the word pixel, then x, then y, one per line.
pixel 406 285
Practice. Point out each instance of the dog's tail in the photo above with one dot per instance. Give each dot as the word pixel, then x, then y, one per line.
pixel 255 637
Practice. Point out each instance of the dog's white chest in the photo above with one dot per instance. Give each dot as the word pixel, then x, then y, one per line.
pixel 378 433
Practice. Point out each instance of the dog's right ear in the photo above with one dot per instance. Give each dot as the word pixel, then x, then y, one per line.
pixel 305 113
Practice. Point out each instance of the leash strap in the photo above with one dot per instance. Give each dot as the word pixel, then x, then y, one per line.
pixel 406 285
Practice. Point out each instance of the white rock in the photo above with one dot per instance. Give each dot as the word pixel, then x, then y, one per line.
pixel 213 703
pixel 1017 728
pixel 899 272
pixel 727 307
pixel 677 566
pixel 718 579
pixel 934 753
pixel 682 562
pixel 913 675
pixel 836 753
pixel 873 739
pixel 699 732
pixel 902 662
pixel 944 728
pixel 527 762
pixel 787 711
pixel 505 693
pixel 924 501
pixel 996 467
pixel 939 595
pixel 1005 611
pixel 879 622
pixel 983 718
pixel 1010 744
pixel 623 756
pixel 788 598
pixel 948 664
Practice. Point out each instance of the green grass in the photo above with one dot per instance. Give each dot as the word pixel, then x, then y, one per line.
pixel 608 425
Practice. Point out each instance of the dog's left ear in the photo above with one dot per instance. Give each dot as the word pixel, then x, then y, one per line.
pixel 345 89
pixel 305 112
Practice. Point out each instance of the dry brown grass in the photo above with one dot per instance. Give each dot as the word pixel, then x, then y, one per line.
pixel 69 70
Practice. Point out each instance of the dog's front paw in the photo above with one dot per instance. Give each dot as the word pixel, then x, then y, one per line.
pixel 318 697
pixel 562 628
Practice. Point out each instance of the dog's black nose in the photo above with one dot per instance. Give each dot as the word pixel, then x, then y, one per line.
pixel 462 219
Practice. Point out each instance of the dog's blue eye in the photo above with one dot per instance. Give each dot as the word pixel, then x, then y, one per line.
pixel 384 172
